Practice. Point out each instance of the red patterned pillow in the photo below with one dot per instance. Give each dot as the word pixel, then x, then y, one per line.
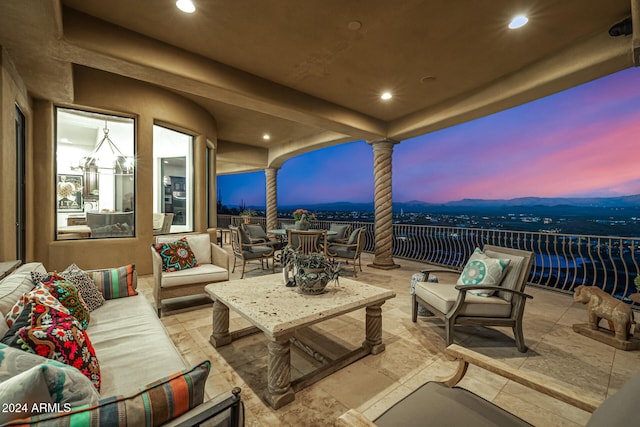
pixel 176 255
pixel 39 294
pixel 70 297
pixel 50 333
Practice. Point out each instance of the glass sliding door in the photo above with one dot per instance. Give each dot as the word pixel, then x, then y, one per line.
pixel 173 179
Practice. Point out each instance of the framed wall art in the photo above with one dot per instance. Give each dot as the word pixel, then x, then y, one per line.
pixel 69 193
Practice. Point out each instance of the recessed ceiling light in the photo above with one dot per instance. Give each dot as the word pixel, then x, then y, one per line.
pixel 186 6
pixel 518 21
pixel 354 25
pixel 386 96
pixel 266 137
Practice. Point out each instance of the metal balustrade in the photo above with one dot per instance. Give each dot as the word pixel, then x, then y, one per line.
pixel 561 262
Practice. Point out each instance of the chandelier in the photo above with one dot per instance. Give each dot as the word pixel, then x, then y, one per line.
pixel 106 155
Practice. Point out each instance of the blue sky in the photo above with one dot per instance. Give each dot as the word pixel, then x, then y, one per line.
pixel 577 143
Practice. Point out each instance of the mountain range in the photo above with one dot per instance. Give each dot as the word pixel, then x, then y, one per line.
pixel 632 201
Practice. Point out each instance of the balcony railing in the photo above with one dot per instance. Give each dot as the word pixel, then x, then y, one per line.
pixel 561 262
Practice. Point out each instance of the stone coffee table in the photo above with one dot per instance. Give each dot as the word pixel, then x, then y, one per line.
pixel 279 312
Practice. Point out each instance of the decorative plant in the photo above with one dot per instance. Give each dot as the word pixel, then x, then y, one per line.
pixel 248 213
pixel 314 260
pixel 637 282
pixel 299 213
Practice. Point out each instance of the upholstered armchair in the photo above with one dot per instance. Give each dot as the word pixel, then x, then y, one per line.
pixel 350 250
pixel 445 404
pixel 246 250
pixel 188 283
pixel 489 292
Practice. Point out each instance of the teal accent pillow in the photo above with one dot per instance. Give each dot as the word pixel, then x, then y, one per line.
pixel 22 372
pixel 176 256
pixel 483 270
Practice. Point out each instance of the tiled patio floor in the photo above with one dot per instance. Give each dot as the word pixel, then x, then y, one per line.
pixel 414 355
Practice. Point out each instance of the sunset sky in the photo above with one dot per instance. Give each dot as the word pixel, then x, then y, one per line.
pixel 581 142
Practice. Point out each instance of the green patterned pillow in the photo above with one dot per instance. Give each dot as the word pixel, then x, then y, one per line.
pixel 115 283
pixel 483 270
pixel 70 297
pixel 153 405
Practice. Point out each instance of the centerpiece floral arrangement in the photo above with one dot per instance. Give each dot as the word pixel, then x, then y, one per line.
pixel 299 213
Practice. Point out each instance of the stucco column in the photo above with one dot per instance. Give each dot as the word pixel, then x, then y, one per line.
pixel 271 175
pixel 382 151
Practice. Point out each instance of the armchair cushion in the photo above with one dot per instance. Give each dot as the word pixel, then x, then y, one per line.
pixel 443 297
pixel 353 238
pixel 341 232
pixel 256 232
pixel 446 407
pixel 483 270
pixel 342 251
pixel 200 274
pixel 200 245
pixel 176 256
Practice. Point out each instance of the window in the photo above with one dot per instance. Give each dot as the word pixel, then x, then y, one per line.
pixel 95 175
pixel 173 178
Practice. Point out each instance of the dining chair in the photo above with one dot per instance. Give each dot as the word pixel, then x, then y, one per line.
pixel 307 241
pixel 247 251
pixel 349 250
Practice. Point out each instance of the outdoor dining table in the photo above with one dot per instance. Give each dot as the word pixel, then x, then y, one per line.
pixel 281 232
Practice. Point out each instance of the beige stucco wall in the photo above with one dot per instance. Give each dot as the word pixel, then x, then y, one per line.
pixel 105 92
pixel 12 93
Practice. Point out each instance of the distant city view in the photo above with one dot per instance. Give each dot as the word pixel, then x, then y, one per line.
pixel 621 219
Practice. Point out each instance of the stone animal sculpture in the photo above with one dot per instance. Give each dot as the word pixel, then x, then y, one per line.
pixel 601 305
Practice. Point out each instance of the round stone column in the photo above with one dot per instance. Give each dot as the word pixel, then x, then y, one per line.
pixel 382 151
pixel 271 175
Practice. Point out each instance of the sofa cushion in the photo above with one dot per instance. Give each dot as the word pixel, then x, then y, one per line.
pixel 203 273
pixel 39 294
pixel 129 339
pixel 176 255
pixel 59 383
pixel 443 296
pixel 152 405
pixel 115 283
pixel 54 335
pixel 90 293
pixel 481 269
pixel 16 284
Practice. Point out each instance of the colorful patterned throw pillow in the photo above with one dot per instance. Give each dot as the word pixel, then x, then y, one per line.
pixel 152 405
pixel 483 270
pixel 115 282
pixel 88 290
pixel 69 296
pixel 176 256
pixel 38 294
pixel 50 333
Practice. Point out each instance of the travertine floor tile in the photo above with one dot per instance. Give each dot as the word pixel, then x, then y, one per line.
pixel 413 356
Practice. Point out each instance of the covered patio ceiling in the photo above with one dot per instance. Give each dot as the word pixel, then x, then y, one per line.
pixel 310 73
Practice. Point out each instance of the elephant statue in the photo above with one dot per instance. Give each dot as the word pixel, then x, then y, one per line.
pixel 601 305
